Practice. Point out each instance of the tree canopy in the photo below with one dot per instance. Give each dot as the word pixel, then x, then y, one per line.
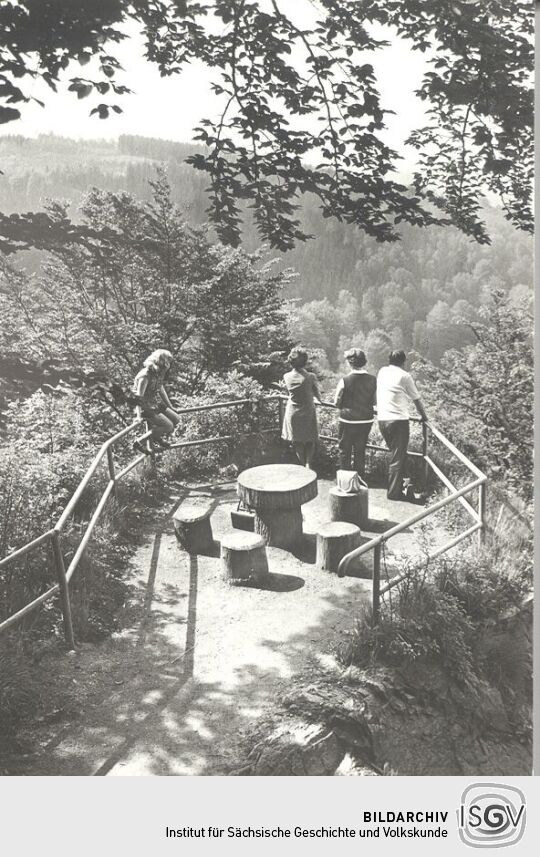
pixel 301 108
pixel 484 393
pixel 98 310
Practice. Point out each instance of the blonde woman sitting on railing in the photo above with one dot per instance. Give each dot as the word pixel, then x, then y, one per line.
pixel 154 403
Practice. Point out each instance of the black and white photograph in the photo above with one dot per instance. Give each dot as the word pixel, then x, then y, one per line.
pixel 266 388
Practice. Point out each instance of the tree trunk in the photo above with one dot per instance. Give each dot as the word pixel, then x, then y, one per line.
pixel 334 540
pixel 243 557
pixel 351 508
pixel 193 529
pixel 280 528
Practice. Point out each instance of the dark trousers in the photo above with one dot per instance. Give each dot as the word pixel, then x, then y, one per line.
pixel 352 441
pixel 396 435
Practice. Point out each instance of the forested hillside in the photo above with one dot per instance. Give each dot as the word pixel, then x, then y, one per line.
pixel 101 310
pixel 417 293
pixel 79 319
pixel 288 220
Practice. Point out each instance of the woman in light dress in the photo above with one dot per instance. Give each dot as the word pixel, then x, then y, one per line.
pixel 300 420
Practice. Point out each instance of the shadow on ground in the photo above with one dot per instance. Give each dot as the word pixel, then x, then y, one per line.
pixel 192 683
pixel 198 663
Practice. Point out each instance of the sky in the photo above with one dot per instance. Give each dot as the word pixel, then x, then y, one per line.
pixel 170 108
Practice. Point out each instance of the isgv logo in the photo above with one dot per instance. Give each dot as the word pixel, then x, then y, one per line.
pixel 491 815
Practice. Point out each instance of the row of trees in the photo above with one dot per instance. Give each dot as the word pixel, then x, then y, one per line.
pixel 53 167
pixel 151 281
pixel 292 84
pixel 421 292
pixel 483 394
pixel 95 310
pixel 384 319
pixel 76 331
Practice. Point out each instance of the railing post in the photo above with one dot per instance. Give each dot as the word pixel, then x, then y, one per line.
pixel 280 413
pixel 148 441
pixel 425 473
pixel 151 458
pixel 482 514
pixel 112 473
pixel 64 589
pixel 376 580
pixel 255 418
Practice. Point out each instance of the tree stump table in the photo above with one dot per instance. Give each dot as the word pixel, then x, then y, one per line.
pixel 243 557
pixel 352 508
pixel 193 527
pixel 334 540
pixel 277 492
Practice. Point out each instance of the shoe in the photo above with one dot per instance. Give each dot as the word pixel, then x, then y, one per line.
pixel 138 447
pixel 164 444
pixel 409 494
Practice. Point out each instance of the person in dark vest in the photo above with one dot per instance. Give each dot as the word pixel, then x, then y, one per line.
pixel 355 398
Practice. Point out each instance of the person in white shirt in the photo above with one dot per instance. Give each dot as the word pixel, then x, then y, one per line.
pixel 396 391
pixel 355 398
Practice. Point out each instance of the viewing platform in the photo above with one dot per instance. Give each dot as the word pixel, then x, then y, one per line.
pixel 199 661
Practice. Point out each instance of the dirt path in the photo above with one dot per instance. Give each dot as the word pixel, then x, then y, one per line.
pixel 200 663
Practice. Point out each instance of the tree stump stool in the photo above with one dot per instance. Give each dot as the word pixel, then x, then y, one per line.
pixel 276 492
pixel 334 540
pixel 243 556
pixel 193 527
pixel 280 528
pixel 352 508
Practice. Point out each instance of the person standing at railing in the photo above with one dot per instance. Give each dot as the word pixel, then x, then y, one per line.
pixel 396 391
pixel 355 398
pixel 154 404
pixel 300 419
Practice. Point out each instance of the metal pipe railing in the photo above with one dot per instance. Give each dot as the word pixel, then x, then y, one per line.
pixel 182 444
pixel 216 405
pixel 28 608
pixel 376 543
pixel 429 558
pixel 374 446
pixel 76 496
pixel 455 451
pixel 399 528
pixel 106 451
pixel 54 534
pixel 89 529
pixel 446 481
pixel 25 548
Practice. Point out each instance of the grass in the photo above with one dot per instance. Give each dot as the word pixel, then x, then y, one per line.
pixel 462 614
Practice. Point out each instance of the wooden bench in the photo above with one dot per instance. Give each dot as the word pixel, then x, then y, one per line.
pixel 193 527
pixel 334 540
pixel 352 508
pixel 243 556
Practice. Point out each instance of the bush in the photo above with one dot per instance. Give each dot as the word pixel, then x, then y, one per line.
pixel 50 442
pixel 483 394
pixel 452 613
pixel 420 624
pixel 486 588
pixel 18 693
pixel 236 422
pixel 49 445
